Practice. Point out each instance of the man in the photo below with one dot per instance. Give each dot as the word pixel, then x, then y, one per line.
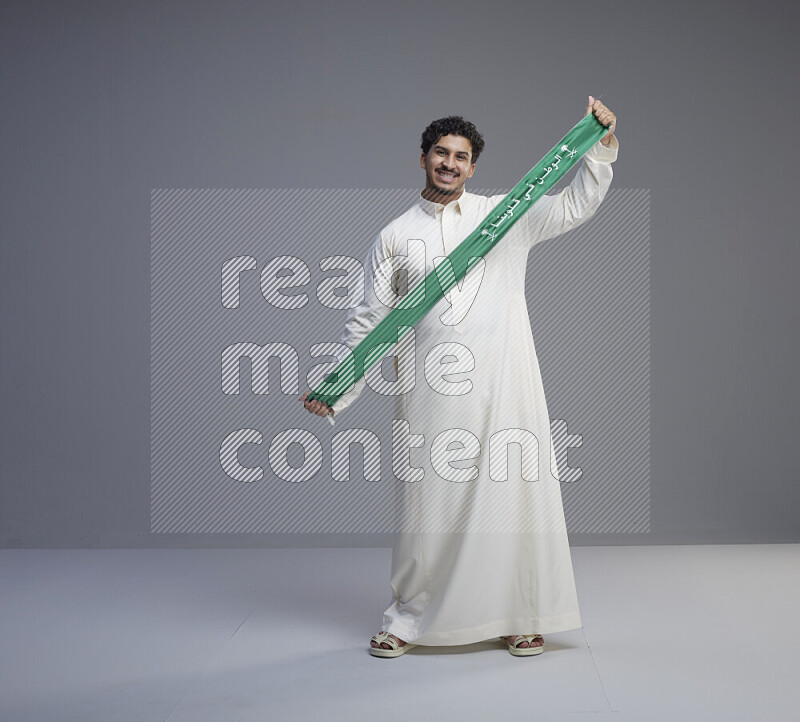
pixel 483 552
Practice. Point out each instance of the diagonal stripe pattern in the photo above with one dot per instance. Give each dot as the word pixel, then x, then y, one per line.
pixel 222 441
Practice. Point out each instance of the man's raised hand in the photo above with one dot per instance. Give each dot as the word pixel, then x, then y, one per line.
pixel 605 116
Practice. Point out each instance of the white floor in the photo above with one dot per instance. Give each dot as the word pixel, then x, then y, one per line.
pixel 670 633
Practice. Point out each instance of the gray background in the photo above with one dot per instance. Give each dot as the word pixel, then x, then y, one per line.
pixel 105 101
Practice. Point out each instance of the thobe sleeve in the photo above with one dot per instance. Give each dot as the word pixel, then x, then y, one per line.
pixel 380 289
pixel 555 214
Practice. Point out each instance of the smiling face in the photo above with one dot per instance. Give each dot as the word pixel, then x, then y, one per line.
pixel 447 166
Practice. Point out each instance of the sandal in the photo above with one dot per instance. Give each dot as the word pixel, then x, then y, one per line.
pixel 524 651
pixel 395 651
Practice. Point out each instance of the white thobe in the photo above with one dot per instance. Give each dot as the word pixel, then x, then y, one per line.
pixel 480 544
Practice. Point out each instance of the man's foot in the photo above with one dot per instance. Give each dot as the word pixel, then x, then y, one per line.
pixel 522 645
pixel 386 645
pixel 537 641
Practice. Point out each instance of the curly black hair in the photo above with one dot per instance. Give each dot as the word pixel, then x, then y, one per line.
pixel 452 125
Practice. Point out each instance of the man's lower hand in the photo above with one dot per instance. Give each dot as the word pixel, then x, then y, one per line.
pixel 316 407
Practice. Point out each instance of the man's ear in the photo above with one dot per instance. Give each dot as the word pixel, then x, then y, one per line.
pixel 471 171
pixel 422 161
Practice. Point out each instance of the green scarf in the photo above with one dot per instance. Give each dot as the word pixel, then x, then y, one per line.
pixel 430 290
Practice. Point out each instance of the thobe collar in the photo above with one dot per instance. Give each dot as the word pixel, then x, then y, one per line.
pixel 433 209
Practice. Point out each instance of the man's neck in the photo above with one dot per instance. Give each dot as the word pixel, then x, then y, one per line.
pixel 435 196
